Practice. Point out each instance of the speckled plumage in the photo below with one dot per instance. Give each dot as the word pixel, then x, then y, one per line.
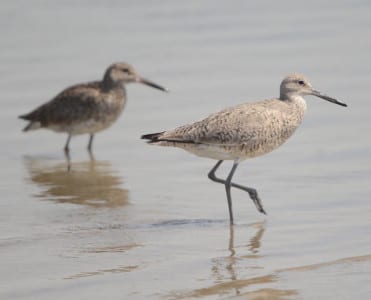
pixel 238 132
pixel 244 131
pixel 89 107
pixel 80 109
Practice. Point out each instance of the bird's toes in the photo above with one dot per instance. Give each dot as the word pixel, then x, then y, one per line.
pixel 262 211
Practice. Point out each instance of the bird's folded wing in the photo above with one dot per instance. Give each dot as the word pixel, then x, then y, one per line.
pixel 76 103
pixel 232 126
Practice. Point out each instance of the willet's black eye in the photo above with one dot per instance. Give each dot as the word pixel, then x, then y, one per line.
pixel 301 82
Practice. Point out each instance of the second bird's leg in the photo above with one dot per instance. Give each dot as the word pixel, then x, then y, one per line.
pixel 252 192
pixel 90 144
pixel 67 152
pixel 66 146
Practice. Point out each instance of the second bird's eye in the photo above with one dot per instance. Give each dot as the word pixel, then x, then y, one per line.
pixel 301 82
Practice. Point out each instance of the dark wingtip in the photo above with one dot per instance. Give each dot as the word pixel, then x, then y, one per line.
pixel 27 128
pixel 152 137
pixel 25 117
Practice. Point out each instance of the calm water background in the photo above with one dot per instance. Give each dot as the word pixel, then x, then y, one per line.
pixel 144 222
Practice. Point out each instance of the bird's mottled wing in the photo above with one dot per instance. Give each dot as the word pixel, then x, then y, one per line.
pixel 76 103
pixel 231 126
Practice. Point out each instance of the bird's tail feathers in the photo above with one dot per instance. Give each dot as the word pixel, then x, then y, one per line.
pixel 159 139
pixel 152 137
pixel 32 126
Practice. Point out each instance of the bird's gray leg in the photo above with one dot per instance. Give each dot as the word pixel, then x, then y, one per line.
pixel 228 190
pixel 66 147
pixel 252 192
pixel 90 144
pixel 67 152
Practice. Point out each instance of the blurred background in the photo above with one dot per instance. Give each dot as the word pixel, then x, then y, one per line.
pixel 145 222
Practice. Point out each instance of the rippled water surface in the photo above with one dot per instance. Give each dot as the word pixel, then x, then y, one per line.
pixel 142 222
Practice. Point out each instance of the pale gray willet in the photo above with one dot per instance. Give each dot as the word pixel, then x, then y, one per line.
pixel 244 131
pixel 89 107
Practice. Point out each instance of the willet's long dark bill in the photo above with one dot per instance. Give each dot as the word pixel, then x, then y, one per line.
pixel 89 107
pixel 244 131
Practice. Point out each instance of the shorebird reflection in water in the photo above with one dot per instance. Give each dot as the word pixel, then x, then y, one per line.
pixel 244 131
pixel 92 183
pixel 89 107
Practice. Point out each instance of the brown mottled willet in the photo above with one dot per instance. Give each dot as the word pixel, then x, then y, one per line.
pixel 244 131
pixel 89 107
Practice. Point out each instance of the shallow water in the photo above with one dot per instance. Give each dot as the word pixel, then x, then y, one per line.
pixel 144 222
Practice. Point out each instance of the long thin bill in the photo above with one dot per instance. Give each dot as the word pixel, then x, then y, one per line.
pixel 325 97
pixel 152 84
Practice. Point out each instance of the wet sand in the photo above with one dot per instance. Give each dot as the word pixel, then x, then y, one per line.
pixel 142 222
